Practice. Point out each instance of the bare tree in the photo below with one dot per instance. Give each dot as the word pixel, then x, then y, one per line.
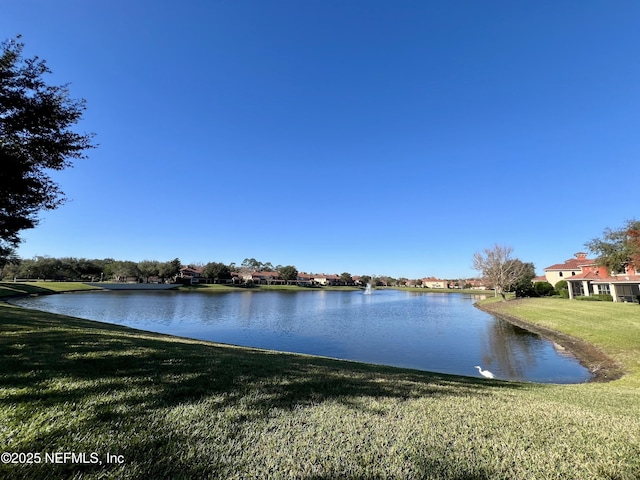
pixel 499 268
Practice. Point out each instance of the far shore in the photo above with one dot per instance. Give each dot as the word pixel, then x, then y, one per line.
pixel 9 288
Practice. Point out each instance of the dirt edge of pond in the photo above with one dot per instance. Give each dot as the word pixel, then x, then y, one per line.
pixel 602 367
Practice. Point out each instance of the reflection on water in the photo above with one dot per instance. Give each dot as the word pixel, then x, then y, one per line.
pixel 437 332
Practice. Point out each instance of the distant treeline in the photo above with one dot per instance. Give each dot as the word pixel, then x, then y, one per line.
pixel 109 269
pixel 71 268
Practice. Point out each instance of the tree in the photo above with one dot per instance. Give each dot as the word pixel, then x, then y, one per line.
pixel 90 269
pixel 148 268
pixel 499 268
pixel 46 268
pixel 108 266
pixel 346 278
pixel 217 271
pixel 35 137
pixel 124 269
pixel 633 241
pixel 268 267
pixel 11 269
pixel 7 258
pixel 523 287
pixel 618 248
pixel 251 265
pixel 390 281
pixel 170 269
pixel 288 273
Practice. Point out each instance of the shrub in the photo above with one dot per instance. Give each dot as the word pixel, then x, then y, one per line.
pixel 602 297
pixel 543 289
pixel 562 287
pixel 525 289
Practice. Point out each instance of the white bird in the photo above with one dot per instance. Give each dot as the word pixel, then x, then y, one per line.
pixel 484 373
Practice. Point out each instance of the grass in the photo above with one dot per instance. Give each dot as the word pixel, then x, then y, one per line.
pixel 469 291
pixel 612 327
pixel 177 408
pixel 11 289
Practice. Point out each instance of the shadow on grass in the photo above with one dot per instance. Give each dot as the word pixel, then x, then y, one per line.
pixel 14 289
pixel 120 376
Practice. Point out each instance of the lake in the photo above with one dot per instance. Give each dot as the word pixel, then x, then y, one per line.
pixel 427 331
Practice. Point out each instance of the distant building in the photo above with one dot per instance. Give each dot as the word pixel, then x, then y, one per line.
pixel 190 274
pixel 432 282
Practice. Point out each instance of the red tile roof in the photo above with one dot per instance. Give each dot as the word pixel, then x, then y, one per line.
pixel 266 274
pixel 328 276
pixel 571 264
pixel 191 269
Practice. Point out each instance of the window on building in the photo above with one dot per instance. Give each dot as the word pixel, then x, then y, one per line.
pixel 560 274
pixel 604 289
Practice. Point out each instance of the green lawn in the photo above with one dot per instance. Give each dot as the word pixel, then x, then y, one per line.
pixel 446 290
pixel 176 408
pixel 8 289
pixel 613 327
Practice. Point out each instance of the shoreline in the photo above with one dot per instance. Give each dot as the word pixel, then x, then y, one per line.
pixel 602 367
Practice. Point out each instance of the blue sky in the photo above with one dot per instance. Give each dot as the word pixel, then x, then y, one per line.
pixel 374 137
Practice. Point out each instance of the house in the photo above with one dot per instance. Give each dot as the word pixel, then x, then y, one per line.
pixel 191 274
pixel 623 287
pixel 566 270
pixel 304 279
pixel 477 284
pixel 585 278
pixel 324 279
pixel 432 282
pixel 263 278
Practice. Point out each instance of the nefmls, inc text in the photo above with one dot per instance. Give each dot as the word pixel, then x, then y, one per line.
pixel 81 458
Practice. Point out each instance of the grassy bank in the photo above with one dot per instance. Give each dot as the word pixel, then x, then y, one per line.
pixel 467 291
pixel 175 408
pixel 8 289
pixel 614 328
pixel 11 289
